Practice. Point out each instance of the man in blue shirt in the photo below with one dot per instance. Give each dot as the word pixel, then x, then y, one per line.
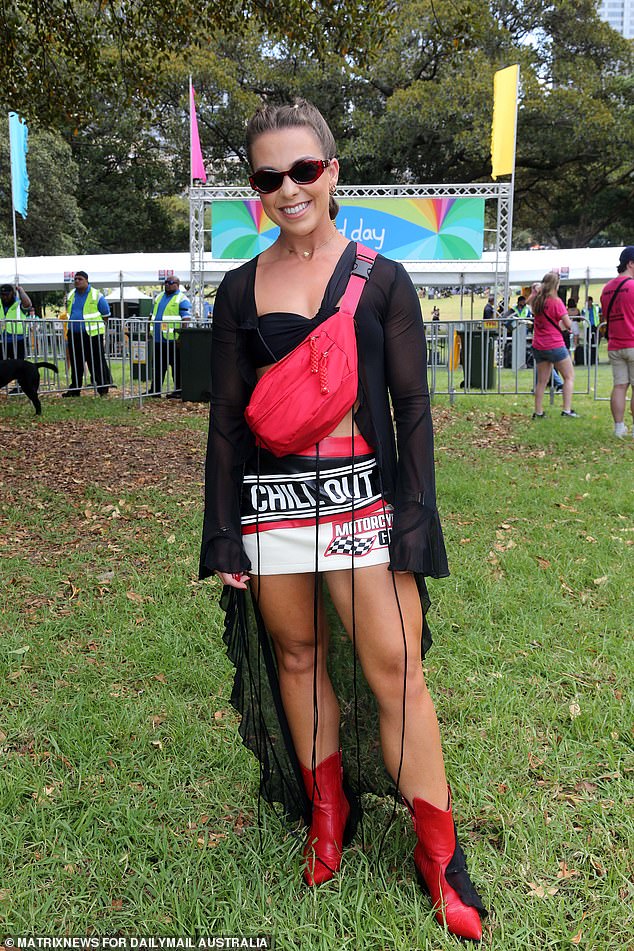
pixel 171 311
pixel 88 310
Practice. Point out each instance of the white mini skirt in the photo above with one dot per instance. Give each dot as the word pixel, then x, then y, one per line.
pixel 321 510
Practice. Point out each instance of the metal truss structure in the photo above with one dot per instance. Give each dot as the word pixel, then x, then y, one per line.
pixel 201 196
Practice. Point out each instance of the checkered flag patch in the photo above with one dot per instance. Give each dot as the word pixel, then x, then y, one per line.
pixel 347 544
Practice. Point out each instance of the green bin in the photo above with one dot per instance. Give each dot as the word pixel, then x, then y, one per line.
pixel 195 346
pixel 477 356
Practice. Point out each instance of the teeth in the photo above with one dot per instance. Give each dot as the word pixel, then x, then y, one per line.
pixel 295 209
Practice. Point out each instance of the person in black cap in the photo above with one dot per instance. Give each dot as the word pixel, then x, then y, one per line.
pixel 617 303
pixel 15 303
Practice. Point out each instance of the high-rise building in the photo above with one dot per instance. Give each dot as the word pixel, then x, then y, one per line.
pixel 620 15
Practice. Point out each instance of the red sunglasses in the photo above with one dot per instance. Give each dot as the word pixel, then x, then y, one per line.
pixel 304 172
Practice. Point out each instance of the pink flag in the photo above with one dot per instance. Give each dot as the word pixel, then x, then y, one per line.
pixel 196 155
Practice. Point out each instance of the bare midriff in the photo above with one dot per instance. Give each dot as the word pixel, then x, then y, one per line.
pixel 345 427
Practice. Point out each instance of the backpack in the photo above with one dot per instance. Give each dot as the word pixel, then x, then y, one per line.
pixel 303 396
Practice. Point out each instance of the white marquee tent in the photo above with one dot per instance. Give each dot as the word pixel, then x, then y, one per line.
pixel 577 266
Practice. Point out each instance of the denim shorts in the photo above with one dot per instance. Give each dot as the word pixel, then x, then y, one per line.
pixel 555 355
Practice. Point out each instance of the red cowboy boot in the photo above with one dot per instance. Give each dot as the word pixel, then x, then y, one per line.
pixel 442 871
pixel 333 821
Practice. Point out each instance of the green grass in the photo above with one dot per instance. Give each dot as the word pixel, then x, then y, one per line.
pixel 129 806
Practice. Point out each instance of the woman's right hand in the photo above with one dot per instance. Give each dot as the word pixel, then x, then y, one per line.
pixel 234 580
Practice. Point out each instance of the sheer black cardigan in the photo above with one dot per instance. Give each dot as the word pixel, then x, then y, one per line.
pixel 392 369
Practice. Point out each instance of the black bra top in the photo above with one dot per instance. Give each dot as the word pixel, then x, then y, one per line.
pixel 276 335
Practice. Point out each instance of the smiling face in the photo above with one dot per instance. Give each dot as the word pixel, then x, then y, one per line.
pixel 299 210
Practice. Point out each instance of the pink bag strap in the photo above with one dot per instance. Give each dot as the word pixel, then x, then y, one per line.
pixel 361 270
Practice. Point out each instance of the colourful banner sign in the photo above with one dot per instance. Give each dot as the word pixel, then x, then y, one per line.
pixel 404 229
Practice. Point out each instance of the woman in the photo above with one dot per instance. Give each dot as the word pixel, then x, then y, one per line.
pixel 549 346
pixel 309 534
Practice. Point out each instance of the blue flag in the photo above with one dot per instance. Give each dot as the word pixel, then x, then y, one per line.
pixel 19 135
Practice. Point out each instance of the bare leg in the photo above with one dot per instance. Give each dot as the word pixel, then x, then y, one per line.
pixel 287 606
pixel 543 375
pixel 567 370
pixel 382 644
pixel 617 402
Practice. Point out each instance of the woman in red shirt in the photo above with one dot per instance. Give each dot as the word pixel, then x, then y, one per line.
pixel 549 346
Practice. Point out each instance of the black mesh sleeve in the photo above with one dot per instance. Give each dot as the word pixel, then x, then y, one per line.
pixel 228 444
pixel 417 541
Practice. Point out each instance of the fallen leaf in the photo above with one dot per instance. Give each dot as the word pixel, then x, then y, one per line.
pixel 585 786
pixel 133 596
pixel 576 939
pixel 538 891
pixel 170 539
pixel 565 872
pixel 601 580
pixel 543 562
pixel 575 711
pixel 534 762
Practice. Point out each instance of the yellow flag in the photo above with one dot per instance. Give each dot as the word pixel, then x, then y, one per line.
pixel 505 83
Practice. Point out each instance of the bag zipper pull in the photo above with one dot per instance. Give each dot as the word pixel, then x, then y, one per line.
pixel 323 374
pixel 314 355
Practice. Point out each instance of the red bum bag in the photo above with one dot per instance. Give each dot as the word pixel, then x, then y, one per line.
pixel 301 398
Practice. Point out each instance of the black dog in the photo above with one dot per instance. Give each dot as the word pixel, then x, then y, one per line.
pixel 27 376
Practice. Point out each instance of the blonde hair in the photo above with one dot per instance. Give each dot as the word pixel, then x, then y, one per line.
pixel 547 288
pixel 298 114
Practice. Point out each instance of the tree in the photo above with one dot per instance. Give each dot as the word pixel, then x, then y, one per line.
pixel 127 173
pixel 53 224
pixel 60 58
pixel 419 108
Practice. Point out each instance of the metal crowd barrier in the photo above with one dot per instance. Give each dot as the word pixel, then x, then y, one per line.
pixel 127 361
pixel 602 388
pixel 480 357
pixel 474 357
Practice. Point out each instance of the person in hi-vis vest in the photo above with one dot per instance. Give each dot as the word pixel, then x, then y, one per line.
pixel 14 304
pixel 171 311
pixel 88 310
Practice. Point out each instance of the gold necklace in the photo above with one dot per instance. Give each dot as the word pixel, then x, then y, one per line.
pixel 309 254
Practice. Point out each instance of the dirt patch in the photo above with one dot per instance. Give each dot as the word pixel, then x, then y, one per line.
pixel 72 455
pixel 68 456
